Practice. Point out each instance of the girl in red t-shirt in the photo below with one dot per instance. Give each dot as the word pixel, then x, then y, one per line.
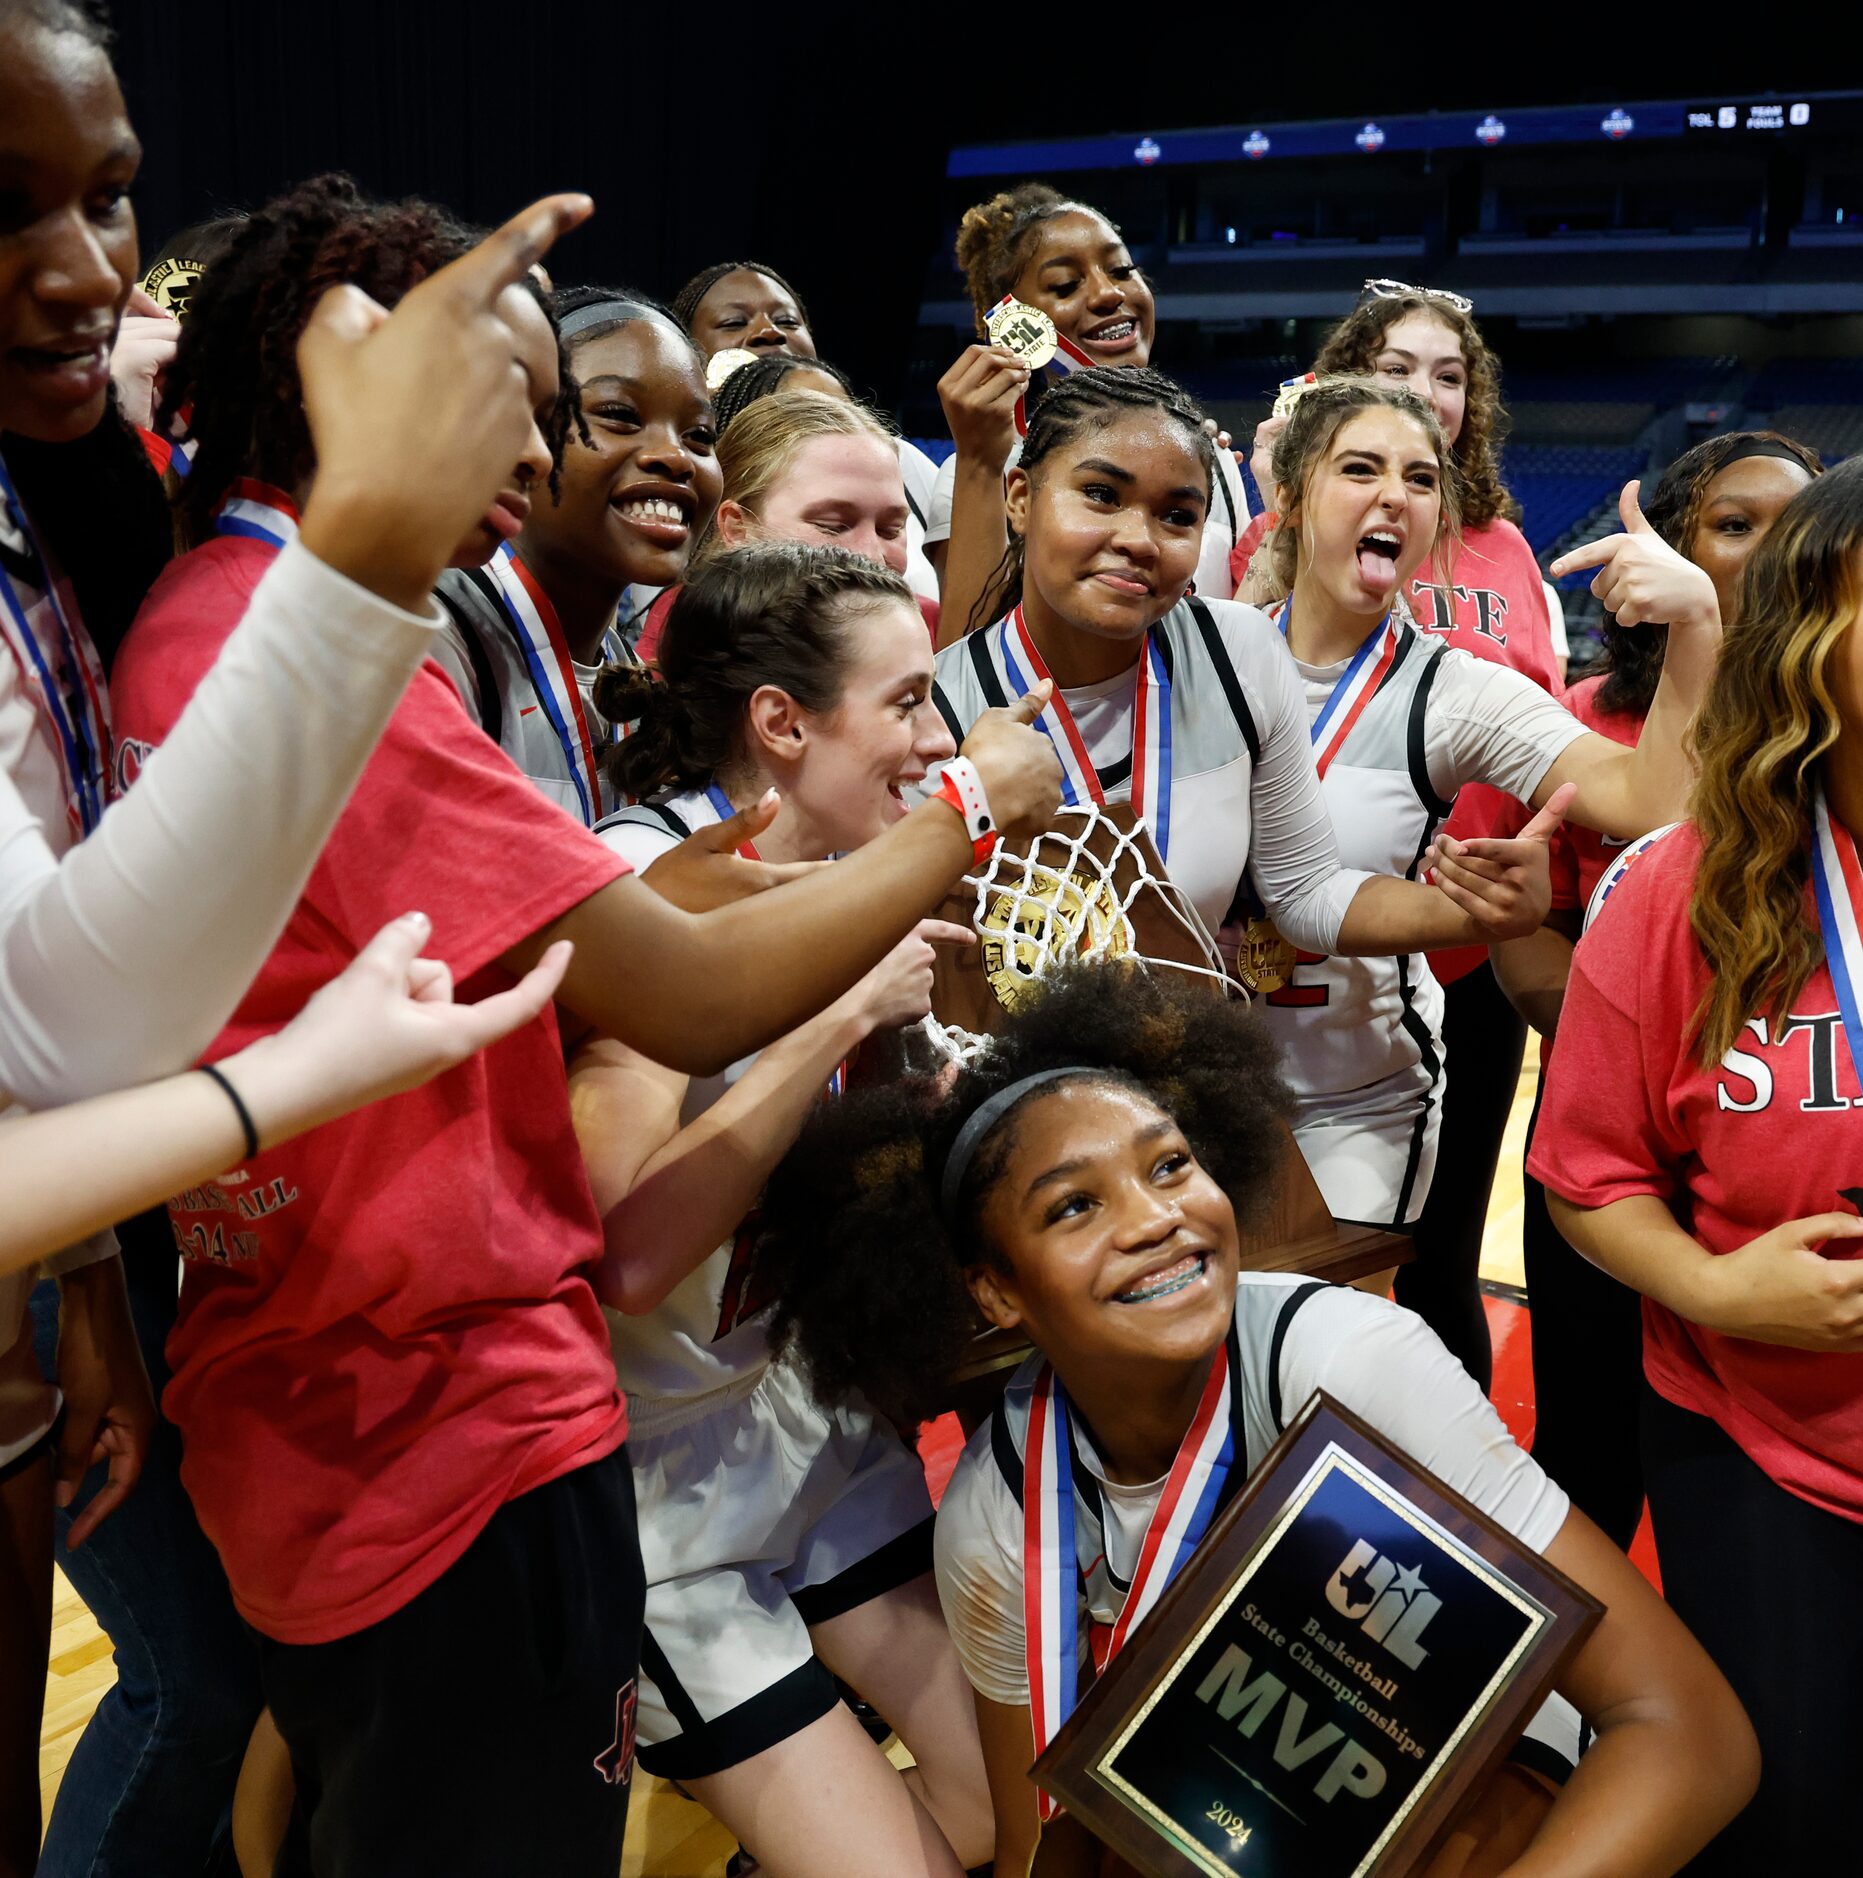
pixel 1701 1142
pixel 1714 504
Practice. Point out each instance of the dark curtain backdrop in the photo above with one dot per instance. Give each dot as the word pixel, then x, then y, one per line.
pixel 813 139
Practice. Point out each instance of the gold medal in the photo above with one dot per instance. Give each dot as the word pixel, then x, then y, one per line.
pixel 1026 331
pixel 1066 916
pixel 1264 960
pixel 721 365
pixel 170 284
pixel 1292 391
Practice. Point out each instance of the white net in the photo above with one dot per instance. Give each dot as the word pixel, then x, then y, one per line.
pixel 1069 897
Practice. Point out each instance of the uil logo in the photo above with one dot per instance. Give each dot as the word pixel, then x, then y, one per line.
pixel 1391 1606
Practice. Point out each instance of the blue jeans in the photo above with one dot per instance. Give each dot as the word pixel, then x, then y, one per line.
pixel 149 1791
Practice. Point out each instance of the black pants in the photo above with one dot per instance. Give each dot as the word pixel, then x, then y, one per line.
pixel 486 1729
pixel 1769 1584
pixel 1587 1373
pixel 1483 1040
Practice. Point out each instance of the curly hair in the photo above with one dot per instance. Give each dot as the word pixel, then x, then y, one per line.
pixel 1633 655
pixel 869 1270
pixel 235 371
pixel 1069 408
pixel 1325 410
pixel 1764 728
pixel 762 376
pixel 994 239
pixel 1353 346
pixel 686 300
pixel 775 613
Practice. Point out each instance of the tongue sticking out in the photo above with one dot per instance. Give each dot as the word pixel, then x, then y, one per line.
pixel 1377 567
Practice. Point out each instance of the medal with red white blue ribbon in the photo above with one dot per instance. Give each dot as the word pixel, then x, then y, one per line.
pixel 58 666
pixel 1193 1490
pixel 1025 668
pixel 1356 687
pixel 552 672
pixel 258 512
pixel 1837 886
pixel 1029 333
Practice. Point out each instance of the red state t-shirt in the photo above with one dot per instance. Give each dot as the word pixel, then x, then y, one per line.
pixel 386 1331
pixel 1580 856
pixel 1771 1133
pixel 1491 603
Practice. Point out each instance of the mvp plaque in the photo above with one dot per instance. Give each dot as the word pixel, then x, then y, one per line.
pixel 1350 1649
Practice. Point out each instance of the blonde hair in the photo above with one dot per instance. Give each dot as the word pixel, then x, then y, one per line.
pixel 756 450
pixel 1764 728
pixel 1322 413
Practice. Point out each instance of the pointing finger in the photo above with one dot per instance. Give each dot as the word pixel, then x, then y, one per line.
pixel 503 258
pixel 1630 510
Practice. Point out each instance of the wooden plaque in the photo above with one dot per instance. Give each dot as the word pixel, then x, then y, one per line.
pixel 1349 1650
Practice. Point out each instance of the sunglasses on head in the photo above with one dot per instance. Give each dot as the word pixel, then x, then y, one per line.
pixel 1382 289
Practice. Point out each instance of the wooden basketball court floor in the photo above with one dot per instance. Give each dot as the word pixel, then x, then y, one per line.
pixel 671 1837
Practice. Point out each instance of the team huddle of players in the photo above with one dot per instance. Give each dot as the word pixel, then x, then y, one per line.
pixel 543 1380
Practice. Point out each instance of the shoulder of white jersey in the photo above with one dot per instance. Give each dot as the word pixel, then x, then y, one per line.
pixel 643 831
pixel 1613 876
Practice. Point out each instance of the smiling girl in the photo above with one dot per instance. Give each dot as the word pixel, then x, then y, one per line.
pixel 639 482
pixel 1081 1184
pixel 784 1546
pixel 1070 261
pixel 1188 709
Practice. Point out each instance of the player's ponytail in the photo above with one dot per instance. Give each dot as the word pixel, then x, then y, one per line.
pixel 771 614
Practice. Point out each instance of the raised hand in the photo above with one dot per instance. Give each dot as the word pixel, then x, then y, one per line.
pixel 706 870
pixel 898 990
pixel 979 396
pixel 1640 578
pixel 1503 885
pixel 146 338
pixel 1020 771
pixel 417 415
pixel 1261 455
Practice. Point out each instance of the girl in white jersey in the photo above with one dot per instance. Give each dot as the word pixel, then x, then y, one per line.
pixel 1187 708
pixel 1080 1183
pixel 781 1542
pixel 1399 723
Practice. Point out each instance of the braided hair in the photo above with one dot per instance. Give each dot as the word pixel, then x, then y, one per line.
pixel 1633 656
pixel 763 376
pixel 772 613
pixel 869 1268
pixel 994 239
pixel 686 300
pixel 1081 402
pixel 235 371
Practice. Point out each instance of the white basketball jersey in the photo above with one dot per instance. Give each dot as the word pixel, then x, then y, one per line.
pixel 712 1331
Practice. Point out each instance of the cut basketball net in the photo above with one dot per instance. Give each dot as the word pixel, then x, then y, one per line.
pixel 1061 901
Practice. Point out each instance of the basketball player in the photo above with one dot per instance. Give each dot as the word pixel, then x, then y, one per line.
pixel 1080 1183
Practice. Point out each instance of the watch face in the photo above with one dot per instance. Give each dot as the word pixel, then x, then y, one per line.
pixel 1026 331
pixel 721 365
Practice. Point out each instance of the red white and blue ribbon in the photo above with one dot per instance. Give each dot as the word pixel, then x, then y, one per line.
pixel 1050 1564
pixel 60 670
pixel 1837 884
pixel 1356 687
pixel 552 672
pixel 1024 668
pixel 258 512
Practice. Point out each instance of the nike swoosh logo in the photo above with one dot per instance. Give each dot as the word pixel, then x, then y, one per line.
pixel 527 710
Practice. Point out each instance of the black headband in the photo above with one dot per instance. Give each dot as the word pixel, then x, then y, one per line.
pixel 1760 446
